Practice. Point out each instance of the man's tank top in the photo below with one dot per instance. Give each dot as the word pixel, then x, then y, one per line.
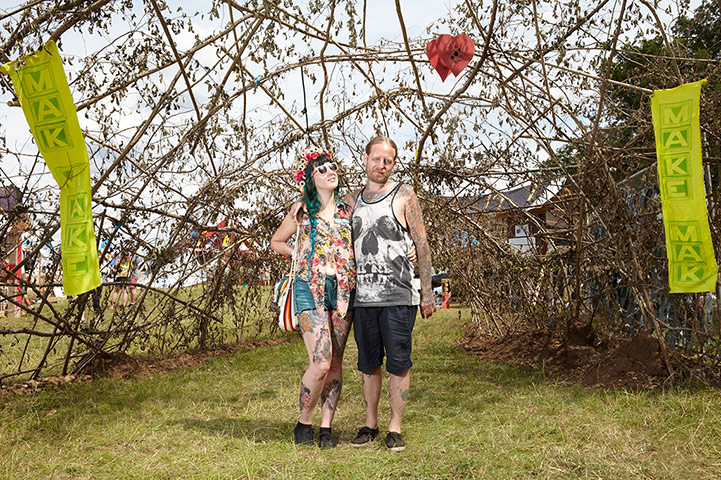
pixel 381 243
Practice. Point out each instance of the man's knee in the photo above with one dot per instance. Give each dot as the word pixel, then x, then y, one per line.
pixel 375 371
pixel 400 374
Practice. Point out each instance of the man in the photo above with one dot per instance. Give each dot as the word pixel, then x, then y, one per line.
pixel 387 221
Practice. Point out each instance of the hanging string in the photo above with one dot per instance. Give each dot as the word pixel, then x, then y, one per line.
pixel 305 105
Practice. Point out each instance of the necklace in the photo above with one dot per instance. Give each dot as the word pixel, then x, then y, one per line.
pixel 328 212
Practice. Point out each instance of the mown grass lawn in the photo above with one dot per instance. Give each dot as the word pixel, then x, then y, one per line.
pixel 233 418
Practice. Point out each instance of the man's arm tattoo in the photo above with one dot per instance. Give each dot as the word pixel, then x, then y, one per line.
pixel 417 229
pixel 351 198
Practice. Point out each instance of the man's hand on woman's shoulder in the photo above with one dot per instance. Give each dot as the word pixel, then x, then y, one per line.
pixel 295 208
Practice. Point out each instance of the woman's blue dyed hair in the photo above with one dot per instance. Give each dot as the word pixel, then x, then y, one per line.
pixel 310 196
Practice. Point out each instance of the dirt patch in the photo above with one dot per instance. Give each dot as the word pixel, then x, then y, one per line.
pixel 523 350
pixel 33 386
pixel 120 365
pixel 635 363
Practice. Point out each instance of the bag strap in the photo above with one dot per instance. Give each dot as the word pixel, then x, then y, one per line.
pixel 295 248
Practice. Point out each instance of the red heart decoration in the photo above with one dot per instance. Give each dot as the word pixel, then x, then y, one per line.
pixel 434 55
pixel 450 54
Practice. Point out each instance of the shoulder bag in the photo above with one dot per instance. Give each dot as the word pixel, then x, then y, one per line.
pixel 283 295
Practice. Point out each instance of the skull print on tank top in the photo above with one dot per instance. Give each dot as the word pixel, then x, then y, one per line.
pixel 381 243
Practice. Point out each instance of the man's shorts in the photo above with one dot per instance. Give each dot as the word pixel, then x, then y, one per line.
pixel 384 330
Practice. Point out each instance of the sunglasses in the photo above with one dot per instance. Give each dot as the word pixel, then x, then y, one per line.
pixel 322 169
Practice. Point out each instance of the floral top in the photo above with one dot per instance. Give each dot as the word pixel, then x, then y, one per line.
pixel 334 243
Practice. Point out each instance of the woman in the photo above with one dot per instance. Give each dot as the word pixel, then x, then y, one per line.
pixel 324 284
pixel 123 267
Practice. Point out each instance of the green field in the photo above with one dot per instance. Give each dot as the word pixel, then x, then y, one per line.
pixel 233 416
pixel 164 326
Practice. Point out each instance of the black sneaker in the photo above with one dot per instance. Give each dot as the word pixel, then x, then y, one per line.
pixel 365 436
pixel 304 435
pixel 394 442
pixel 326 440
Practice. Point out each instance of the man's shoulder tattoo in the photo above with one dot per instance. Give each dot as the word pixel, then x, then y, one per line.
pixel 406 191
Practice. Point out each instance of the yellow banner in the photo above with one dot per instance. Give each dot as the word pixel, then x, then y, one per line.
pixel 691 262
pixel 43 92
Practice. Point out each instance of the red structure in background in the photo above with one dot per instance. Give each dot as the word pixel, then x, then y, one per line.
pixel 11 252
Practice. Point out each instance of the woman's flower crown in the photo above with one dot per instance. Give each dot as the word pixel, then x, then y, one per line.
pixel 303 158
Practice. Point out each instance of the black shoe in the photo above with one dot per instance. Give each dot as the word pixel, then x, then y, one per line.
pixel 304 435
pixel 326 440
pixel 365 436
pixel 394 442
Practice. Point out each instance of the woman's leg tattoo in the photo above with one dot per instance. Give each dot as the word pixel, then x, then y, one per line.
pixel 331 393
pixel 304 399
pixel 316 336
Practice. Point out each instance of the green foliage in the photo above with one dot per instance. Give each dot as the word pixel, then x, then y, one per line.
pixel 649 64
pixel 652 64
pixel 566 159
pixel 701 34
pixel 633 65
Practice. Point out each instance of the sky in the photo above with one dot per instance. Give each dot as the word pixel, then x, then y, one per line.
pixel 382 26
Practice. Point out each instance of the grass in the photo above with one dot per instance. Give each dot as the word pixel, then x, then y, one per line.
pixel 233 417
pixel 31 348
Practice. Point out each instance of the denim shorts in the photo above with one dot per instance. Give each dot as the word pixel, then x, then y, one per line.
pixel 304 298
pixel 380 331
